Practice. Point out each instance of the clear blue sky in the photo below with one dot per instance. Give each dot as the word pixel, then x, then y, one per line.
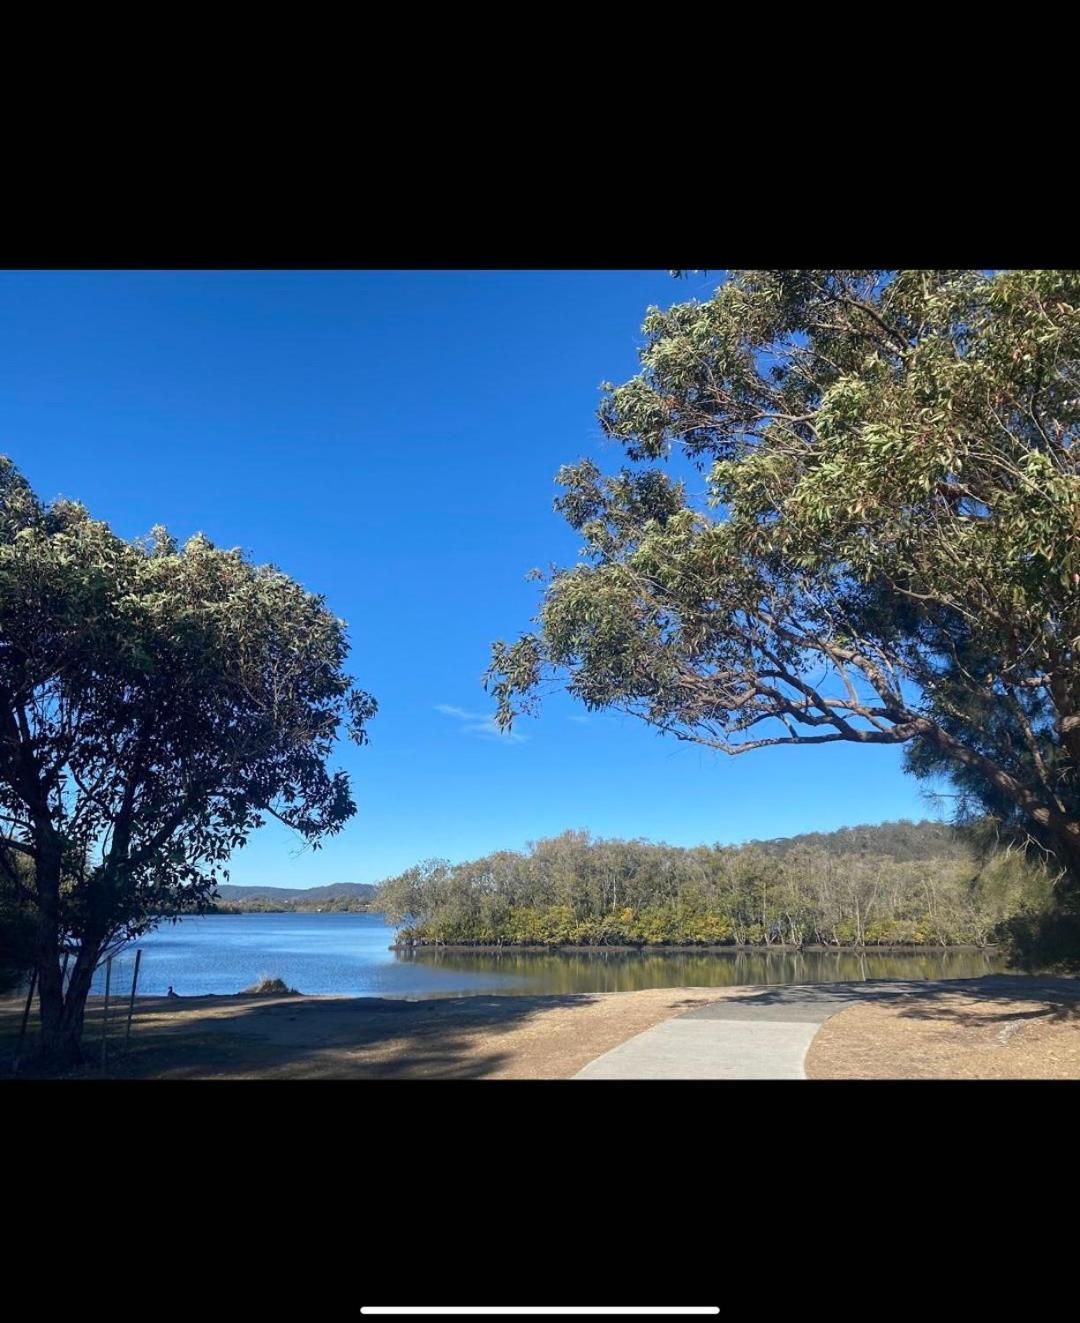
pixel 390 440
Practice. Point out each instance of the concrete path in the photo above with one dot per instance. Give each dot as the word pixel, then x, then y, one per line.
pixel 763 1033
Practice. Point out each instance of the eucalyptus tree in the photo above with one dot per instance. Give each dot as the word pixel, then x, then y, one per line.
pixel 907 886
pixel 885 550
pixel 157 704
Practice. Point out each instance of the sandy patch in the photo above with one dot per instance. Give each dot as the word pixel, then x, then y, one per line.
pixel 496 1037
pixel 997 1028
pixel 956 1036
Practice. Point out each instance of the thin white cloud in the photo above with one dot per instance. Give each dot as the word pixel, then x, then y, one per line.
pixel 581 721
pixel 477 723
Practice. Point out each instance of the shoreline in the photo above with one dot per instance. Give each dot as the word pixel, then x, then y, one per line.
pixel 995 1027
pixel 674 948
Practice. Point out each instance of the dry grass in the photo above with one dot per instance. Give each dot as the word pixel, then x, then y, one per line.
pixel 558 1041
pixel 276 1037
pixel 268 986
pixel 957 1036
pixel 997 1031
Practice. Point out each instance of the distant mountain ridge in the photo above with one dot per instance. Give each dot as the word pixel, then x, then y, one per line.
pixel 335 890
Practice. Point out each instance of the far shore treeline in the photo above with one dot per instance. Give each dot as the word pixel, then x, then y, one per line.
pixel 898 883
pixel 338 898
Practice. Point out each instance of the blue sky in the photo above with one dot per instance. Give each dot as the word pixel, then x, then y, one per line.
pixel 390 438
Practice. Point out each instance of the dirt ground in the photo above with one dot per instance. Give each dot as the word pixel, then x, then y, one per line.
pixel 993 1029
pixel 548 1037
pixel 959 1035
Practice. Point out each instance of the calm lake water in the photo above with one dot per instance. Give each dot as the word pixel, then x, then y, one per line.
pixel 346 954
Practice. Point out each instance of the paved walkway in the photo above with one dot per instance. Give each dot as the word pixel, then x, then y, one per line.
pixel 760 1033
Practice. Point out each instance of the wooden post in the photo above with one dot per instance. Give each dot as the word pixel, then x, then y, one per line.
pixel 105 1011
pixel 131 1003
pixel 25 1018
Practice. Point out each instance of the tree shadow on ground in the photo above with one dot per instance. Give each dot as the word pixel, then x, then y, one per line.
pixel 1058 998
pixel 299 1037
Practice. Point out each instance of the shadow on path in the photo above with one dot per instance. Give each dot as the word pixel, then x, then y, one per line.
pixel 1056 999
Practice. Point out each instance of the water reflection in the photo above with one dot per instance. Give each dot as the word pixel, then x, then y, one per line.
pixel 349 955
pixel 619 971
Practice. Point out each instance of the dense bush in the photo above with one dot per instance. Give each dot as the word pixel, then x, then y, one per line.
pixel 17 932
pixel 895 884
pixel 18 928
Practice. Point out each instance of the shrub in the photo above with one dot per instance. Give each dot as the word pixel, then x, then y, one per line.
pixel 267 985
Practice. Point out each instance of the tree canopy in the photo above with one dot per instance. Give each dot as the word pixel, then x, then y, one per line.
pixel 892 884
pixel 157 704
pixel 885 551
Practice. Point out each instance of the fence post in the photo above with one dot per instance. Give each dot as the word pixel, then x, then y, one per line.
pixel 105 1011
pixel 26 1016
pixel 131 1003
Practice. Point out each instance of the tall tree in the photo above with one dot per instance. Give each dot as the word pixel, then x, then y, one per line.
pixel 157 703
pixel 886 552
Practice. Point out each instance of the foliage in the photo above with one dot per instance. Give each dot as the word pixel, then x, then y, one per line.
pixel 1047 939
pixel 337 898
pixel 896 884
pixel 268 986
pixel 887 552
pixel 157 704
pixel 267 905
pixel 18 929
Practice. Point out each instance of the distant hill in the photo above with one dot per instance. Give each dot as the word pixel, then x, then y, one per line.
pixel 904 841
pixel 889 884
pixel 358 890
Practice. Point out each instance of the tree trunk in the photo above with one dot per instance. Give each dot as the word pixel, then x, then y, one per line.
pixel 62 1015
pixel 51 1002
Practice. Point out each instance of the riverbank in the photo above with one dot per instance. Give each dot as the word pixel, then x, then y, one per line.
pixel 665 948
pixel 1005 1026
